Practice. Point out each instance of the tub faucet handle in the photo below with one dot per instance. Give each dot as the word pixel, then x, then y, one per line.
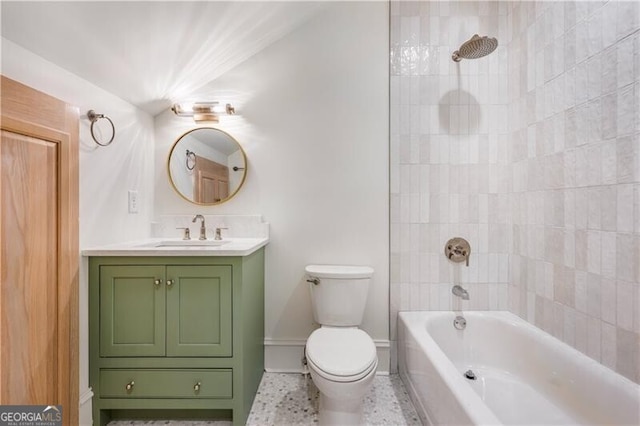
pixel 458 250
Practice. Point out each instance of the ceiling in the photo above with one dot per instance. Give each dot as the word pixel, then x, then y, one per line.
pixel 150 53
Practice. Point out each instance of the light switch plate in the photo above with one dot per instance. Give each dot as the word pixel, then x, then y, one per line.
pixel 133 201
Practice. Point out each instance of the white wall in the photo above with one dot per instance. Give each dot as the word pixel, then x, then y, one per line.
pixel 106 173
pixel 314 124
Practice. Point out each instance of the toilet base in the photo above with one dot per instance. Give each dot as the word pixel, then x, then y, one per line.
pixel 334 412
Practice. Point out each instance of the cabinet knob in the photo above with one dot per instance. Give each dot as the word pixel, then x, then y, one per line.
pixel 130 385
pixel 158 281
pixel 196 387
pixel 169 283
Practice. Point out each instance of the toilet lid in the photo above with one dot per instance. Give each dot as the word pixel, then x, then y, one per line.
pixel 342 352
pixel 339 271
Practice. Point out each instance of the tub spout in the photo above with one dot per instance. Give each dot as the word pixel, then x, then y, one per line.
pixel 460 292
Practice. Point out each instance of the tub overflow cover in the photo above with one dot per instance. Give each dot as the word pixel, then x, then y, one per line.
pixel 460 323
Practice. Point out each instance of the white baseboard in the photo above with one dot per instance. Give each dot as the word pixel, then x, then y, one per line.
pixel 86 395
pixel 285 355
pixel 85 402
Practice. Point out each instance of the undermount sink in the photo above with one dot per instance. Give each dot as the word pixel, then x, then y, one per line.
pixel 191 243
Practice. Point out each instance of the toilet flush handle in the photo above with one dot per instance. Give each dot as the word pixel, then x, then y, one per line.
pixel 314 280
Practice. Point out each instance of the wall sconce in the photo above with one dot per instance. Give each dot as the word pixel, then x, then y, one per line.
pixel 203 111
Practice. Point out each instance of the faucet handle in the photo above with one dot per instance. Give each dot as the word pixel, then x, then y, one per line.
pixel 218 235
pixel 458 250
pixel 187 232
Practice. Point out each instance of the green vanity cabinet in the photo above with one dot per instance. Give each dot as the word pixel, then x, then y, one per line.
pixel 175 336
pixel 173 310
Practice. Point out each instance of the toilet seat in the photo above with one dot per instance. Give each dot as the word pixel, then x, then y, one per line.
pixel 342 379
pixel 341 354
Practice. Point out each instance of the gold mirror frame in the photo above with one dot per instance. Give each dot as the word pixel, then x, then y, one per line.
pixel 185 166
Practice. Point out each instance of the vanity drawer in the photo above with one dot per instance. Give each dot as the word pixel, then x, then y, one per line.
pixel 166 383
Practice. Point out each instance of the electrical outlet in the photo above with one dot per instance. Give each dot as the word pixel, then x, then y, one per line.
pixel 133 201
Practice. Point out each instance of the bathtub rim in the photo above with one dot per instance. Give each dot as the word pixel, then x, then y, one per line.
pixel 416 323
pixel 472 405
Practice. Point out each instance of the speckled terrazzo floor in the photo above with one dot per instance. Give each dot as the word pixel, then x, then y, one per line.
pixel 289 399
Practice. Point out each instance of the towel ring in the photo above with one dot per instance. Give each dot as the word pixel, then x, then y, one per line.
pixel 191 156
pixel 93 116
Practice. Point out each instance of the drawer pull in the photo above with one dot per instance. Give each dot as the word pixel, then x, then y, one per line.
pixel 196 387
pixel 157 282
pixel 169 283
pixel 130 385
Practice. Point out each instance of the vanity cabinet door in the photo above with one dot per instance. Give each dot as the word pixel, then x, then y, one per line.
pixel 199 309
pixel 132 310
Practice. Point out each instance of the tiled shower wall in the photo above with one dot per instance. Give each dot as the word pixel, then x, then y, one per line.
pixel 532 154
pixel 450 171
pixel 574 128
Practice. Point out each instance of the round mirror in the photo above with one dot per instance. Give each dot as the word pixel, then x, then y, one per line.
pixel 207 166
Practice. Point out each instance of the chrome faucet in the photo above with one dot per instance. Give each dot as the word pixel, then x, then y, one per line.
pixel 460 292
pixel 203 229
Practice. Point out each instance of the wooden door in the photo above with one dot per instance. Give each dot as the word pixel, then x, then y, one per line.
pixel 199 321
pixel 132 310
pixel 212 181
pixel 39 243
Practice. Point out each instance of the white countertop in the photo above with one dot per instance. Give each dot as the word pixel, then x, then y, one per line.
pixel 149 247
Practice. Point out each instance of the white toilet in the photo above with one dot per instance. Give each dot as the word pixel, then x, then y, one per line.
pixel 342 359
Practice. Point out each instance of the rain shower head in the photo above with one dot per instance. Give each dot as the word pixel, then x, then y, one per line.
pixel 475 48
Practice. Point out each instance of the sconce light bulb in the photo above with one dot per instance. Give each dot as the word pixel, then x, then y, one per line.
pixel 203 111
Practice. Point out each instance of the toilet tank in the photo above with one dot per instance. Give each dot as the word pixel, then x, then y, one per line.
pixel 340 295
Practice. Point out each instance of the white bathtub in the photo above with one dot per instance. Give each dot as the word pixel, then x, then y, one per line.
pixel 524 375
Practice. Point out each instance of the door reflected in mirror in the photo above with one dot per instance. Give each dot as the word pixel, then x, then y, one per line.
pixel 207 166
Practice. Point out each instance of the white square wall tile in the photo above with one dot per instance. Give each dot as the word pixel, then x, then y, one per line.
pixel 609 162
pixel 594 295
pixel 608 256
pixel 627 257
pixel 609 298
pixel 636 208
pixel 625 73
pixel 594 336
pixel 608 345
pixel 581 332
pixel 569 332
pixel 625 304
pixel 626 110
pixel 628 159
pixel 628 18
pixel 609 18
pixel 581 291
pixel 625 208
pixel 595 23
pixel 609 208
pixel 594 208
pixel 609 115
pixel 594 76
pixel 594 247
